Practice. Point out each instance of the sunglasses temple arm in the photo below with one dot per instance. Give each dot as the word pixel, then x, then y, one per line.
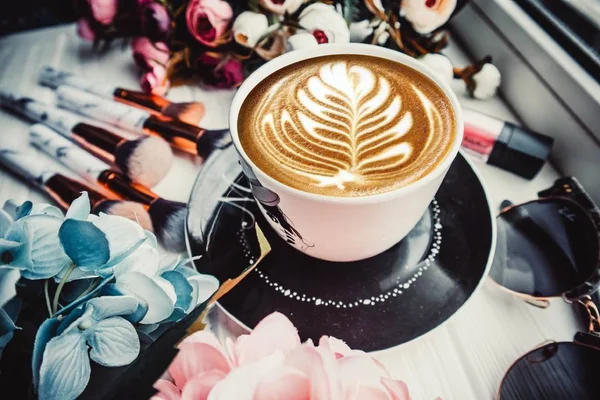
pixel 571 188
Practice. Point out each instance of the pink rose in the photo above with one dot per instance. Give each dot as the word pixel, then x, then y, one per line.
pixel 147 54
pixel 271 363
pixel 216 72
pixel 104 11
pixel 84 30
pixel 155 81
pixel 207 21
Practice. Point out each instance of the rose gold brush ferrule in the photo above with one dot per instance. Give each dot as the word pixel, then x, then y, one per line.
pixel 64 191
pixel 98 141
pixel 189 138
pixel 123 187
pixel 179 134
pixel 149 102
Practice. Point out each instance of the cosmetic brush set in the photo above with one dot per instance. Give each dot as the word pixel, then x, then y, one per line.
pixel 118 170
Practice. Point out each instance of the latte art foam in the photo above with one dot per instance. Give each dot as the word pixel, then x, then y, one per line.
pixel 346 125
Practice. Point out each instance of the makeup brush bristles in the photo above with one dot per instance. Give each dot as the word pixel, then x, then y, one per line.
pixel 190 113
pixel 128 209
pixel 145 160
pixel 213 139
pixel 168 219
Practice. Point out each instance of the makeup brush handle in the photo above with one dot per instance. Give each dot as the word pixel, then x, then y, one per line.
pixel 53 78
pixel 100 109
pixel 150 102
pixel 67 153
pixel 27 166
pixel 60 120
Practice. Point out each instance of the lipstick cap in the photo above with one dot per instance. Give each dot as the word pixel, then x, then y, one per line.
pixel 520 151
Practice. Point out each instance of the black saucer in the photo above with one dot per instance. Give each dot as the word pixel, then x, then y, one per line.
pixel 372 304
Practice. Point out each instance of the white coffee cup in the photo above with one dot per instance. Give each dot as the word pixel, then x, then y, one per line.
pixel 342 228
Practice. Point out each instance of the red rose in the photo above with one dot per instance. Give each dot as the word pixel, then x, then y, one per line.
pixel 219 73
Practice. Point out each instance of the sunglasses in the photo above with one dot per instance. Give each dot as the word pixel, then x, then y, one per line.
pixel 549 248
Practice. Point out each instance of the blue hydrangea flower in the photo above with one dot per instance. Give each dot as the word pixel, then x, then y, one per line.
pixel 17 211
pixel 96 331
pixel 76 246
pixel 96 243
pixel 169 292
pixel 31 245
pixel 203 286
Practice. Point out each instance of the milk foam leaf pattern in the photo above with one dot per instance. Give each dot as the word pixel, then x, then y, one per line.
pixel 352 116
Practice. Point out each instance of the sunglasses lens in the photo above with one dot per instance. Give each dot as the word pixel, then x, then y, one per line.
pixel 545 248
pixel 555 371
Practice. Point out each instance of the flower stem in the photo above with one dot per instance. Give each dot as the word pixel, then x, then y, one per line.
pixel 91 287
pixel 60 286
pixel 47 295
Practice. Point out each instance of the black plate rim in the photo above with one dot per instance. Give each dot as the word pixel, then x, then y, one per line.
pixel 485 274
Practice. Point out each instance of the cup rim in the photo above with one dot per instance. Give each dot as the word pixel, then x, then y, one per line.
pixel 354 49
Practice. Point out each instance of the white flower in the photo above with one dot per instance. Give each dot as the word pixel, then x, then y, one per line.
pixel 440 65
pixel 427 15
pixel 360 30
pixel 249 27
pixel 381 34
pixel 486 82
pixel 280 8
pixel 326 25
pixel 382 38
pixel 301 40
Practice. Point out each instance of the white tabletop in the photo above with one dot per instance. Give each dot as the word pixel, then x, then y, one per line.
pixel 463 359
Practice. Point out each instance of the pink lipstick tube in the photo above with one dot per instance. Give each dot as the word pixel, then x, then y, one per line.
pixel 505 145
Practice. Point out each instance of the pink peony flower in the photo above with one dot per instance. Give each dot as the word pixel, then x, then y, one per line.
pixel 214 71
pixel 155 81
pixel 270 363
pixel 147 54
pixel 104 11
pixel 208 20
pixel 427 15
pixel 84 30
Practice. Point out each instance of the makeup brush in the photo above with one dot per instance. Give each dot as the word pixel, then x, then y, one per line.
pixel 168 217
pixel 145 160
pixel 64 190
pixel 186 137
pixel 190 112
